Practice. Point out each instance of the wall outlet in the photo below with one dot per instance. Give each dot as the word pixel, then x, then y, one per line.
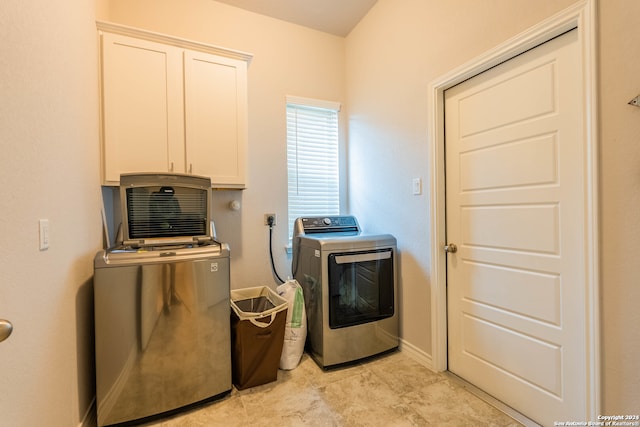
pixel 270 215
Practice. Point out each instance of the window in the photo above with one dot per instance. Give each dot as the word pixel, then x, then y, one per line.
pixel 312 158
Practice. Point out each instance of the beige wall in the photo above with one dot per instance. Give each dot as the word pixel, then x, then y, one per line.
pixel 48 135
pixel 620 204
pixel 288 60
pixel 393 55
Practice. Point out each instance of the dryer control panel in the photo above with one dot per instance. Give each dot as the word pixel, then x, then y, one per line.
pixel 329 224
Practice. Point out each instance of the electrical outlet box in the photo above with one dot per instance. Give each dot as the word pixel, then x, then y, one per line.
pixel 270 215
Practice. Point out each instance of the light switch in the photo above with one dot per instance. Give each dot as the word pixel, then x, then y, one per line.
pixel 417 186
pixel 44 234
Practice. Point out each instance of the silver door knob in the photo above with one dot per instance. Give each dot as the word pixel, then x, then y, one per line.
pixel 5 329
pixel 451 248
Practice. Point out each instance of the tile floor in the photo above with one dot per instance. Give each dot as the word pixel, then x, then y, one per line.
pixel 391 390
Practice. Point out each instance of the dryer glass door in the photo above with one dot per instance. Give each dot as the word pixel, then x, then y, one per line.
pixel 360 287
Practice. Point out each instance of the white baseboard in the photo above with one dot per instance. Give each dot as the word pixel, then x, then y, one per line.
pixel 416 354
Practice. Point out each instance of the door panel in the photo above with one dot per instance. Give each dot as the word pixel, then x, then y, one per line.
pixel 478 173
pixel 515 208
pixel 523 292
pixel 522 228
pixel 545 374
pixel 521 97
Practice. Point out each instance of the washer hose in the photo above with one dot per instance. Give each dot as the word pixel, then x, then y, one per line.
pixel 273 266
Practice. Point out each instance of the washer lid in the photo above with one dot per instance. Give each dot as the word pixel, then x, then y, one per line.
pixel 161 254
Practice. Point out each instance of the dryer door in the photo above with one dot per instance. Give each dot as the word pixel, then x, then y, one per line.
pixel 360 287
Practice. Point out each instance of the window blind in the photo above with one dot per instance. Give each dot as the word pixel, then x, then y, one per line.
pixel 312 161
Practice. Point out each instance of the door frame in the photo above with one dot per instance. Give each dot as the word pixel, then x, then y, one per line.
pixel 582 16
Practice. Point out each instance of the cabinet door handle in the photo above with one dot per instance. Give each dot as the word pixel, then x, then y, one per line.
pixel 171 167
pixel 190 167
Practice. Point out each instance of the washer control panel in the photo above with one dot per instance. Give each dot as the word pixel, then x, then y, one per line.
pixel 324 224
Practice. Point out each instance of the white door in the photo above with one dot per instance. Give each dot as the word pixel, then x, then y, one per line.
pixel 515 179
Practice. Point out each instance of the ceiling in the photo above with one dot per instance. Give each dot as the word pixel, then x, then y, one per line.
pixel 336 17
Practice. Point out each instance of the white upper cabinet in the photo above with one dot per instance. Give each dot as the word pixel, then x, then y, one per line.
pixel 142 107
pixel 215 117
pixel 170 105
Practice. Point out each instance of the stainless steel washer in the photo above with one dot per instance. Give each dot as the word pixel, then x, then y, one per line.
pixel 162 330
pixel 349 284
pixel 162 333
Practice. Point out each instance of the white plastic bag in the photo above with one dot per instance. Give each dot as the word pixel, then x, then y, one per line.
pixel 295 332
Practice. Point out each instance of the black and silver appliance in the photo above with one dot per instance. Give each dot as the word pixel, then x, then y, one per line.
pixel 349 284
pixel 162 334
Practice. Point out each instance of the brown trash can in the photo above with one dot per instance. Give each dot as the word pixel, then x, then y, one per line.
pixel 258 320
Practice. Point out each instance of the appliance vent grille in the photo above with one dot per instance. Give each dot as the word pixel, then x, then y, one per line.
pixel 154 212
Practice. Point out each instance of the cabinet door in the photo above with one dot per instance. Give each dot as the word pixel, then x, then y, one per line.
pixel 142 108
pixel 216 118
